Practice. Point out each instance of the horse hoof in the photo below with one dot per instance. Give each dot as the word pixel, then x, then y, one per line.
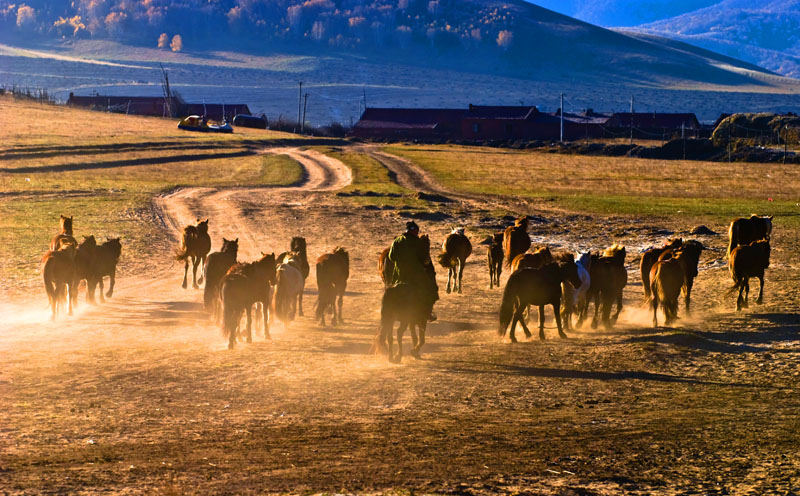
pixel 183 285
pixel 415 354
pixel 562 335
pixel 109 294
pixel 200 281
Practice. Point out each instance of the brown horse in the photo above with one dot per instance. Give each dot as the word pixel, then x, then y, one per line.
pixel 106 257
pixel 84 261
pixel 195 244
pixel 749 261
pixel 538 287
pixel 691 251
pixel 298 251
pixel 455 250
pixel 667 277
pixel 288 288
pixel 494 257
pixel 244 285
pixel 58 275
pixel 333 270
pixel 534 260
pixel 608 278
pixel 386 268
pixel 516 240
pixel 217 265
pixel 64 233
pixel 742 231
pixel 649 258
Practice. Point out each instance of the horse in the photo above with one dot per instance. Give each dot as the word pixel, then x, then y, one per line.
pixel 538 287
pixel 538 258
pixel 455 250
pixel 244 285
pixel 289 287
pixel 650 257
pixel 297 250
pixel 574 298
pixel 58 275
pixel 64 233
pixel 386 268
pixel 667 277
pixel 84 260
pixel 516 240
pixel 749 261
pixel 217 265
pixel 608 278
pixel 494 257
pixel 195 244
pixel 691 251
pixel 104 263
pixel 743 231
pixel 333 270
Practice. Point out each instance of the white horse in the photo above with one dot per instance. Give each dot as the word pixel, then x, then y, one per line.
pixel 289 286
pixel 575 298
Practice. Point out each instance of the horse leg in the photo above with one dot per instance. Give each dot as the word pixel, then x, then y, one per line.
pixel 300 304
pixel 341 301
pixel 185 272
pixel 400 330
pixel 202 262
pixel 654 306
pixel 557 312
pixel 100 283
pixel 516 318
pixel 596 309
pixel 541 323
pixel 195 263
pixel 619 309
pixel 460 273
pixel 525 325
pixel 264 318
pixel 423 325
pixel 111 281
pixel 739 299
pixel 747 292
pixel 70 296
pixel 760 299
pixel 687 294
pixel 249 310
pixel 449 276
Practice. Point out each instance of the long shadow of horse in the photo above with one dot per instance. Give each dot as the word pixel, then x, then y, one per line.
pixel 177 312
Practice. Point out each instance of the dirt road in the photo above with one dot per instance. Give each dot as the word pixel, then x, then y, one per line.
pixel 140 396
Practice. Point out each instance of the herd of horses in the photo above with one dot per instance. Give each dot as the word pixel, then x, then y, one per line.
pixel 568 282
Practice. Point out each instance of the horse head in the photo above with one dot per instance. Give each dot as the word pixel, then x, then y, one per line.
pixel 584 259
pixel 569 270
pixel 115 246
pixel 674 243
pixel 521 222
pixel 202 226
pixel 66 225
pixel 230 246
pixel 298 244
pixel 268 264
pixel 615 252
pixel 342 253
pixel 497 238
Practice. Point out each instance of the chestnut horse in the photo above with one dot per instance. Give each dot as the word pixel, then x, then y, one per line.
pixel 84 261
pixel 667 277
pixel 104 263
pixel 288 288
pixel 297 251
pixel 58 275
pixel 217 265
pixel 516 240
pixel 534 260
pixel 691 251
pixel 538 287
pixel 333 270
pixel 195 244
pixel 649 258
pixel 244 285
pixel 494 257
pixel 608 278
pixel 749 261
pixel 742 231
pixel 64 234
pixel 455 250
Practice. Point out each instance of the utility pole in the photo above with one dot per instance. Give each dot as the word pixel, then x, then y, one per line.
pixel 299 102
pixel 562 117
pixel 631 119
pixel 303 125
pixel 785 142
pixel 683 138
pixel 364 90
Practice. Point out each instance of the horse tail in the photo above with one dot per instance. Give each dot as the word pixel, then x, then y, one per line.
pixel 209 294
pixel 507 307
pixel 49 284
pixel 445 259
pixel 181 253
pixel 733 235
pixel 281 296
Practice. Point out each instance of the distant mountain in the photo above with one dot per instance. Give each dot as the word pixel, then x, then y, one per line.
pixel 622 13
pixel 763 32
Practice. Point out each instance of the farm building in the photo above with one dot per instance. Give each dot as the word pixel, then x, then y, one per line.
pixel 652 124
pixel 156 106
pixel 403 123
pixel 528 123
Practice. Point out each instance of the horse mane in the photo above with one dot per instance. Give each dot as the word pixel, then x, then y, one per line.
pixel 613 251
pixel 497 238
pixel 113 246
pixel 341 252
pixel 458 230
pixel 674 243
pixel 66 225
pixel 521 222
pixel 298 244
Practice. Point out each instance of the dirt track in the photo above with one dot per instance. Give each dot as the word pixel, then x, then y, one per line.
pixel 141 396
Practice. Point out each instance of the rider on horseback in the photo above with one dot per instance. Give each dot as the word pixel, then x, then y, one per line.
pixel 412 263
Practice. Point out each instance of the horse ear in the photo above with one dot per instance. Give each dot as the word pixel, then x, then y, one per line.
pixel 236 241
pixel 770 217
pixel 206 221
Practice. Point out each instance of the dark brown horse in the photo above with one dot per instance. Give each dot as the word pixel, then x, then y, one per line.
pixel 742 231
pixel 298 247
pixel 84 261
pixel 386 268
pixel 58 275
pixel 749 261
pixel 106 257
pixel 494 257
pixel 64 234
pixel 217 265
pixel 689 260
pixel 455 250
pixel 608 278
pixel 649 258
pixel 537 287
pixel 195 245
pixel 288 288
pixel 667 277
pixel 333 270
pixel 244 285
pixel 516 240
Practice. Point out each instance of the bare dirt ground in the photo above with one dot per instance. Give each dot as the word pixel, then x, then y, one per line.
pixel 140 395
